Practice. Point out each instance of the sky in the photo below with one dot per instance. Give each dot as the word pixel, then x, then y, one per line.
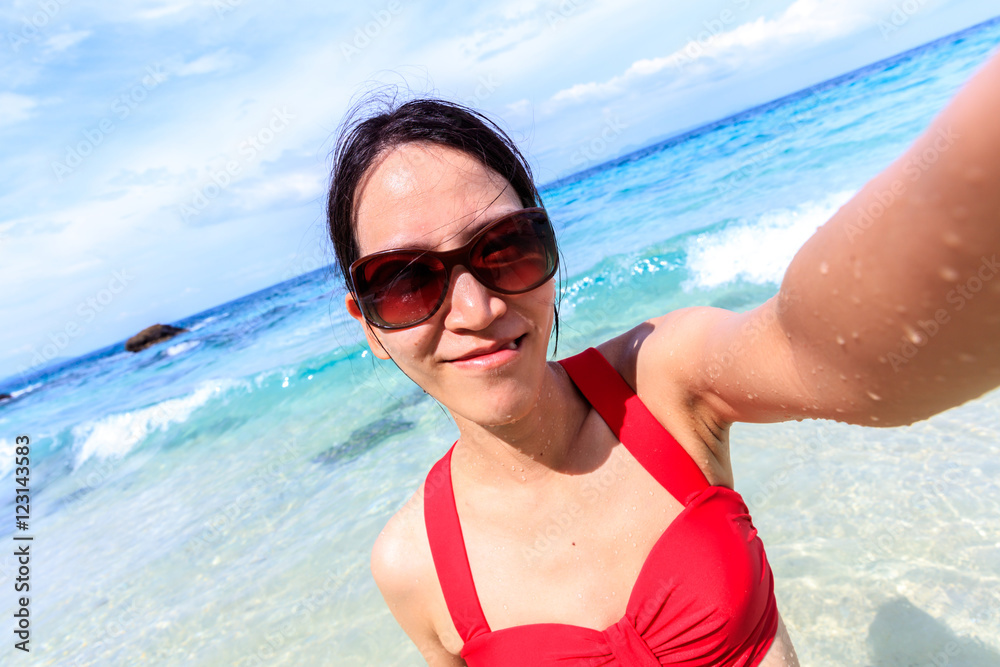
pixel 161 157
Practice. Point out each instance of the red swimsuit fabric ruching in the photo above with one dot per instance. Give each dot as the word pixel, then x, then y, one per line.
pixel 704 596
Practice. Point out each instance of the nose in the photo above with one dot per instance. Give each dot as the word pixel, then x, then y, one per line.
pixel 469 304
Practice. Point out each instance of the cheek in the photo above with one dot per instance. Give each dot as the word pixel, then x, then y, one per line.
pixel 543 298
pixel 410 346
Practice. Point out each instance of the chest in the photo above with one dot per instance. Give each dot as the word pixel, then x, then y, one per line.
pixel 571 556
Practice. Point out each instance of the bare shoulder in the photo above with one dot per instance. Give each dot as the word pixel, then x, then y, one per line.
pixel 401 549
pixel 661 359
pixel 728 367
pixel 403 569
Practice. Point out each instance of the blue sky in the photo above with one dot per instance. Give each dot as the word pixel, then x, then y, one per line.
pixel 161 157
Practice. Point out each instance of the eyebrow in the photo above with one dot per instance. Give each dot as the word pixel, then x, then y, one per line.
pixel 484 221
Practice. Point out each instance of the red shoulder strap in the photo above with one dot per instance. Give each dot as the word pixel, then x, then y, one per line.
pixel 444 532
pixel 644 437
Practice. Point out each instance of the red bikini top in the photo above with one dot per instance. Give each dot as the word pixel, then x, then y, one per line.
pixel 704 596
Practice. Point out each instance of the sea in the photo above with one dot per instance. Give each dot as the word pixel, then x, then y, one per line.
pixel 213 500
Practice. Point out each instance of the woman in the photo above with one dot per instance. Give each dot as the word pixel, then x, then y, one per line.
pixel 886 316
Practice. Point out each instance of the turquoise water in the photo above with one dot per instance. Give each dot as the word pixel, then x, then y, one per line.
pixel 213 500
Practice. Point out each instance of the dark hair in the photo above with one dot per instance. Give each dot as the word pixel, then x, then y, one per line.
pixel 364 138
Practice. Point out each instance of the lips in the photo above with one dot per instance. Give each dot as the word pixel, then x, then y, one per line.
pixel 510 344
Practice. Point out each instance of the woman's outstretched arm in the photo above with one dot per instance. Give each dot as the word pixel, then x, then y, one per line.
pixel 889 313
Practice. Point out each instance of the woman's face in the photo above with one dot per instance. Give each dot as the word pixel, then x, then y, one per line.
pixel 431 196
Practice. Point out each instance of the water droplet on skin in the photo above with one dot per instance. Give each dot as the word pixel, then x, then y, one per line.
pixel 949 274
pixel 841 341
pixel 854 335
pixel 874 396
pixel 824 268
pixel 915 336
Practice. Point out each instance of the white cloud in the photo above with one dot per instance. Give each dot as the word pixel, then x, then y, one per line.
pixel 159 9
pixel 521 107
pixel 296 186
pixel 211 62
pixel 14 108
pixel 805 21
pixel 590 91
pixel 65 40
pixel 78 267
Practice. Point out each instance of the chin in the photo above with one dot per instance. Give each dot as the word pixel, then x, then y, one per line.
pixel 501 405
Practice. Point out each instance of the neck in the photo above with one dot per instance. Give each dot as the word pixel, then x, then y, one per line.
pixel 535 446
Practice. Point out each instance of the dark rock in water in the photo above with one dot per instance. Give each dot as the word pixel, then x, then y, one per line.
pixel 5 397
pixel 363 439
pixel 151 336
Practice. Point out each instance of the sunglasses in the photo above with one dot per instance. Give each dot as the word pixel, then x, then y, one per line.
pixel 401 288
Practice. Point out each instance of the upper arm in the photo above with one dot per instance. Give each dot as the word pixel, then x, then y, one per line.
pixel 732 367
pixel 405 575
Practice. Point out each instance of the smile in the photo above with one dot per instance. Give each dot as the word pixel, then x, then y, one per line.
pixel 504 355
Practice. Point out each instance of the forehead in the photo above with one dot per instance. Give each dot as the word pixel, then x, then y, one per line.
pixel 427 195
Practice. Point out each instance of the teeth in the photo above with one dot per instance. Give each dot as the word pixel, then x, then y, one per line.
pixel 512 345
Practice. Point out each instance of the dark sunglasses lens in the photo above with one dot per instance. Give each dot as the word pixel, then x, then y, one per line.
pixel 401 289
pixel 518 255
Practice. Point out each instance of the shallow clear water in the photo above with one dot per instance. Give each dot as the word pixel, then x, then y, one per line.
pixel 214 500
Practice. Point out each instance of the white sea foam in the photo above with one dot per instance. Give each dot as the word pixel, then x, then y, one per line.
pixel 30 387
pixel 313 328
pixel 6 457
pixel 265 377
pixel 115 435
pixel 180 348
pixel 205 321
pixel 760 250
